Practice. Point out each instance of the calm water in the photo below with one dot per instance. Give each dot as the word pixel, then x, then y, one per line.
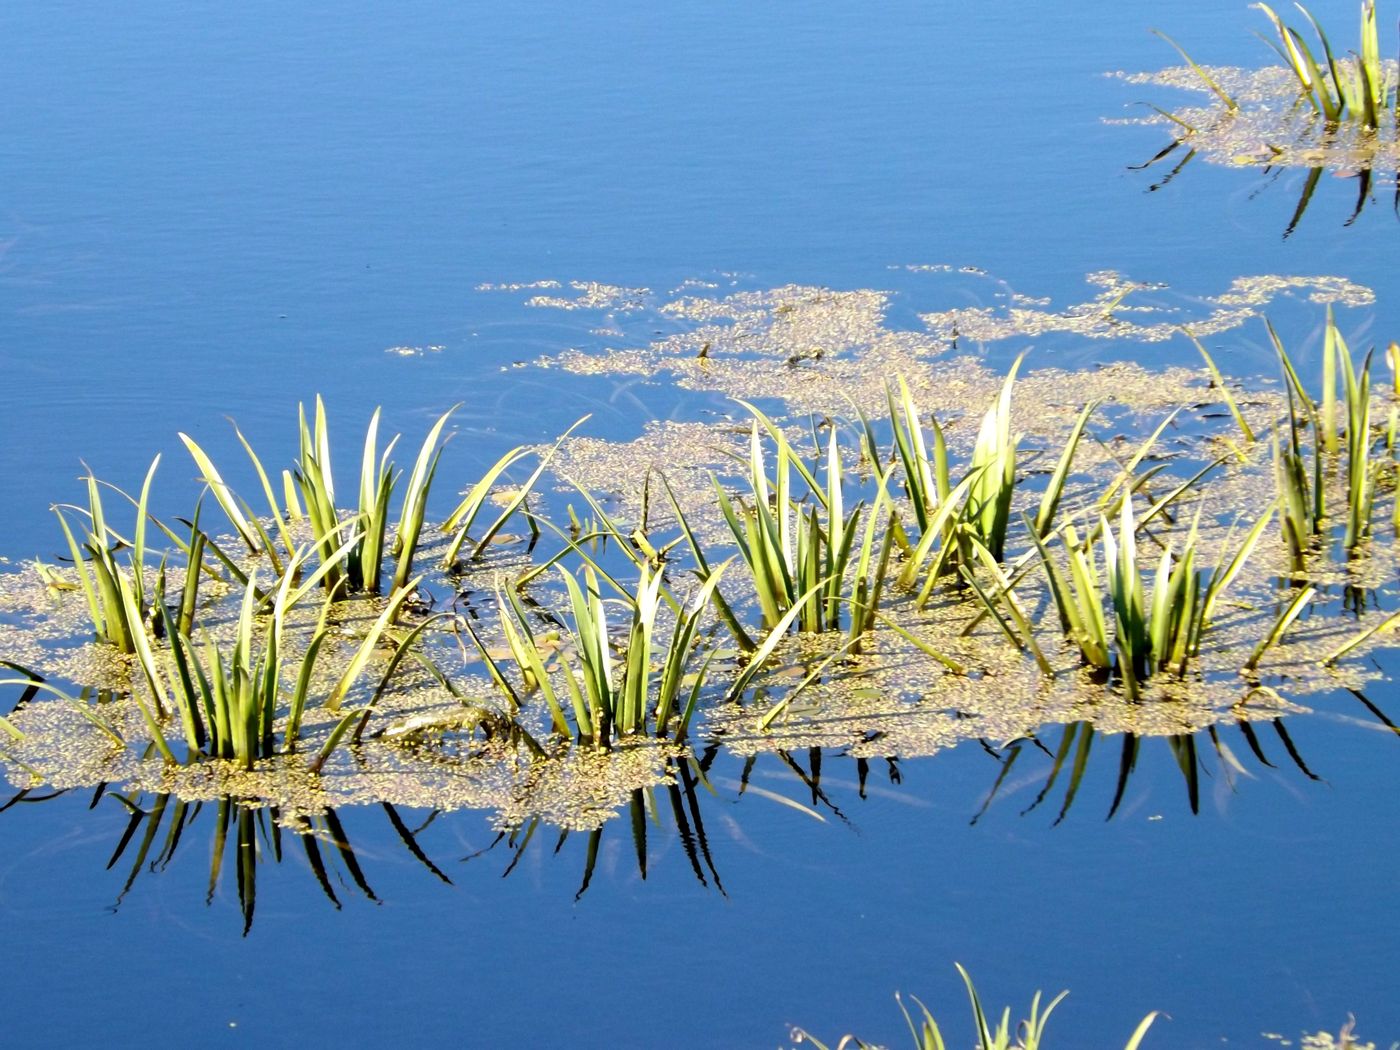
pixel 214 211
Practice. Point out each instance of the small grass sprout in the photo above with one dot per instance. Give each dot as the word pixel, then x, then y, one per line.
pixel 1291 612
pixel 1218 381
pixel 1205 78
pixel 1029 1034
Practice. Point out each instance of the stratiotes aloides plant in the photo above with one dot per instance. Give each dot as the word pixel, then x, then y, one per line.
pixel 1300 475
pixel 114 621
pixel 1105 608
pixel 227 699
pixel 799 551
pixel 1355 88
pixel 956 521
pixel 991 1034
pixel 608 698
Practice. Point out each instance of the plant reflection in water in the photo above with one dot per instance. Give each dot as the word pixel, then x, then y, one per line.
pixel 243 837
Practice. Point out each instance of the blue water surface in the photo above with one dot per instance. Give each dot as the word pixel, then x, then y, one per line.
pixel 215 209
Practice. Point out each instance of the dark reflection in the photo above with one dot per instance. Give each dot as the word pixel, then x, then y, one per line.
pixel 240 838
pixel 1048 770
pixel 671 810
pixel 1204 754
pixel 1365 182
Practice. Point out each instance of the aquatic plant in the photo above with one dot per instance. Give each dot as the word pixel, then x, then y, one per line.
pixel 968 522
pixel 1355 88
pixel 1347 89
pixel 227 700
pixel 114 620
pixel 1301 494
pixel 377 481
pixel 1156 634
pixel 1360 470
pixel 311 483
pixel 1301 488
pixel 608 702
pixel 797 554
pixel 1218 381
pixel 978 509
pixel 993 473
pixel 1205 78
pixel 463 517
pixel 1029 1034
pixel 926 475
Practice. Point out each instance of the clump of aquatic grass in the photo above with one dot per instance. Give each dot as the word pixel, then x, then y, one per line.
pixel 1301 491
pixel 974 514
pixel 1153 633
pixel 378 479
pixel 1301 495
pixel 311 485
pixel 100 578
pixel 798 552
pixel 608 698
pixel 227 699
pixel 1161 635
pixel 1350 88
pixel 1029 1034
pixel 926 474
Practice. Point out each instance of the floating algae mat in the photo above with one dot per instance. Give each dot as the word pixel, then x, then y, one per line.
pixel 1326 109
pixel 918 551
pixel 1269 127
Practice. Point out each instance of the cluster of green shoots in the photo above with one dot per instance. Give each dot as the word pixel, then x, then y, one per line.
pixel 1301 481
pixel 629 658
pixel 227 699
pixel 1352 88
pixel 1029 1034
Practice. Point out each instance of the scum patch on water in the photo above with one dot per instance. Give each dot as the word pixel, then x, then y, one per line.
pixel 831 352
pixel 1273 126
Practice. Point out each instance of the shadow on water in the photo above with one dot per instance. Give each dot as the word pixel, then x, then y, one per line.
pixel 1168 164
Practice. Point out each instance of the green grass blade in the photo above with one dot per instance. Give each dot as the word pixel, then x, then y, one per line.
pixel 1205 77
